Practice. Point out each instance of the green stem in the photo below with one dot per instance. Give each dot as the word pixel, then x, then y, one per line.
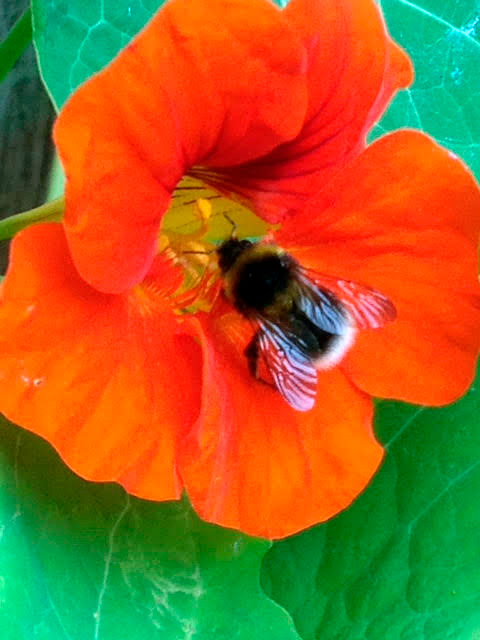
pixel 15 43
pixel 49 212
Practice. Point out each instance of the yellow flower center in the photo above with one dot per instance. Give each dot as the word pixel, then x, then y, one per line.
pixel 198 220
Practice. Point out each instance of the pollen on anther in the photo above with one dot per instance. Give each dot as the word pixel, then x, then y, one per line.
pixel 204 208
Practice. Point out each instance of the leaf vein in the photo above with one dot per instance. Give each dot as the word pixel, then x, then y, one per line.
pixel 108 561
pixel 440 20
pixel 444 491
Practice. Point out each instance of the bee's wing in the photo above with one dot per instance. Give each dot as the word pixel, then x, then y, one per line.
pixel 367 307
pixel 290 366
pixel 320 306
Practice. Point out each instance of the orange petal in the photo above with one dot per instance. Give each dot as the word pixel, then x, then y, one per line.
pixel 429 354
pixel 354 70
pixel 254 463
pixel 349 49
pixel 404 219
pixel 173 98
pixel 106 379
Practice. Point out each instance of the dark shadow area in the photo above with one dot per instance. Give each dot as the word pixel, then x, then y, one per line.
pixel 26 118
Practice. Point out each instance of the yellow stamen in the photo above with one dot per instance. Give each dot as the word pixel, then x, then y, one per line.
pixel 205 209
pixel 197 221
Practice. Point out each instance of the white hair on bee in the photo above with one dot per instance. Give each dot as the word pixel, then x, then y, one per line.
pixel 337 349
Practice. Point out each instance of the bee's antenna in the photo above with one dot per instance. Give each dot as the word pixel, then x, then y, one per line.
pixel 203 253
pixel 233 223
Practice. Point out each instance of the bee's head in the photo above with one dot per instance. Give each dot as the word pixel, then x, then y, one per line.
pixel 229 251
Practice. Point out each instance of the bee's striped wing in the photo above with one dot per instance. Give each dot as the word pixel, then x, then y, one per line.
pixel 290 366
pixel 367 307
pixel 321 307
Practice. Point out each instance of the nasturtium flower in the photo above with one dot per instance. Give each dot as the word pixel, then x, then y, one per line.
pixel 265 105
pixel 116 344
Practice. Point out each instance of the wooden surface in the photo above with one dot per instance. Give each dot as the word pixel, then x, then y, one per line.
pixel 26 118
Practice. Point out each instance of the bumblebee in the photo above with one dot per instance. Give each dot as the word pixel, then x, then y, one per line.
pixel 304 321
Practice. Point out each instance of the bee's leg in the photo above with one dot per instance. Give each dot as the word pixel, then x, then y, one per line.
pixel 252 353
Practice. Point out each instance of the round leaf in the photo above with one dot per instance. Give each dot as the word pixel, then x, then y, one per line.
pixel 404 561
pixel 82 560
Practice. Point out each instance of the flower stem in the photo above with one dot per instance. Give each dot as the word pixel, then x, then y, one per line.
pixel 15 43
pixel 49 212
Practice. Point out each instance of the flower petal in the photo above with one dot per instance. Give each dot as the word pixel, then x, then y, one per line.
pixel 106 379
pixel 254 463
pixel 354 70
pixel 173 98
pixel 404 219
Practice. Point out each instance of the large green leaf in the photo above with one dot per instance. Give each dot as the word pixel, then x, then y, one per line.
pixel 404 562
pixel 80 560
pixel 443 40
pixel 85 35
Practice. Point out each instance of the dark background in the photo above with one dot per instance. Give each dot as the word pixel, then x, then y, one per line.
pixel 26 118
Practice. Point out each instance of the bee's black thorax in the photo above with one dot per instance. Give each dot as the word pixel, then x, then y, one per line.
pixel 260 282
pixel 258 277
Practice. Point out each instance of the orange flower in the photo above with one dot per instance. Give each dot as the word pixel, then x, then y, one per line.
pixel 262 103
pixel 97 353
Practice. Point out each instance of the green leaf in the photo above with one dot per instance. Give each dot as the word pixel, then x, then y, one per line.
pixel 443 40
pixel 85 35
pixel 15 43
pixel 404 561
pixel 81 560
